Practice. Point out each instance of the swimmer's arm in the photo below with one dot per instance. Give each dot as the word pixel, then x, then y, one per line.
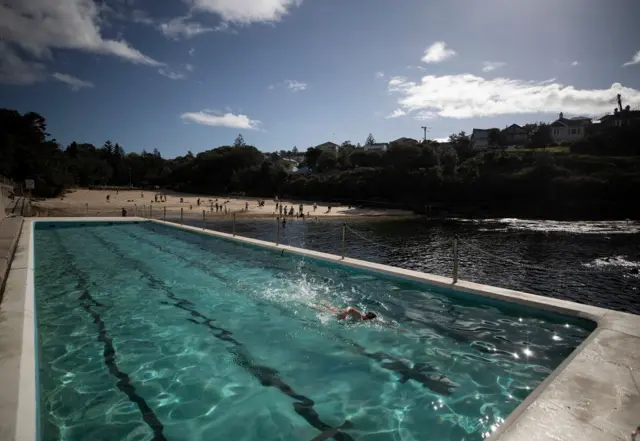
pixel 350 312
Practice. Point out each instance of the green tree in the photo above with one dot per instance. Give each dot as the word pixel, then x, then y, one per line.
pixel 541 136
pixel 311 157
pixel 370 140
pixel 239 142
pixel 494 137
pixel 326 161
pixel 294 150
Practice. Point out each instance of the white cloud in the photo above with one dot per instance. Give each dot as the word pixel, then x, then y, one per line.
pixel 192 52
pixel 247 11
pixel 488 66
pixel 226 120
pixel 575 63
pixel 171 74
pixel 422 68
pixel 141 17
pixel 379 74
pixel 396 114
pixel 634 60
pixel 424 115
pixel 293 85
pixel 38 26
pixel 437 52
pixel 74 83
pixel 469 96
pixel 15 70
pixel 180 27
pixel 190 67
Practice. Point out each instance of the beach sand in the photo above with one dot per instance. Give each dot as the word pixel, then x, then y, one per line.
pixel 84 202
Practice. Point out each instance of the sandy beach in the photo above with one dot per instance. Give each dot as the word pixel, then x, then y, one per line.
pixel 84 202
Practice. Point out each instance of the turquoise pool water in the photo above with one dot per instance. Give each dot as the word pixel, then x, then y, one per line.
pixel 148 332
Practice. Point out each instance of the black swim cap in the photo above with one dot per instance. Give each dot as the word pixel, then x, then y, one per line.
pixel 370 315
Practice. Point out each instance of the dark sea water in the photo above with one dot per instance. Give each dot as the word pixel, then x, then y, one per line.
pixel 595 263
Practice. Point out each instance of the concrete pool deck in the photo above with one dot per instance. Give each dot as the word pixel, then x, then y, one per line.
pixel 593 395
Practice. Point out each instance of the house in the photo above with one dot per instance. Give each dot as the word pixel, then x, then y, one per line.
pixel 289 164
pixel 329 147
pixel 479 139
pixel 514 135
pixel 377 147
pixel 620 118
pixel 404 141
pixel 566 130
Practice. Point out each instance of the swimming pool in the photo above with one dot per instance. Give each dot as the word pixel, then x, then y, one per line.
pixel 148 332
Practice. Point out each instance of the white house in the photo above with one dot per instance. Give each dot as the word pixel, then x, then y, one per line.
pixel 378 147
pixel 567 130
pixel 330 147
pixel 479 139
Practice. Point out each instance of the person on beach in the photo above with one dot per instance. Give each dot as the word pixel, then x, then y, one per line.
pixel 124 212
pixel 315 206
pixel 291 212
pixel 347 313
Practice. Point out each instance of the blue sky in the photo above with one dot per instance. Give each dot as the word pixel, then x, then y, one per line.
pixel 181 75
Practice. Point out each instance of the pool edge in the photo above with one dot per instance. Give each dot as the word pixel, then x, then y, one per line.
pixel 534 414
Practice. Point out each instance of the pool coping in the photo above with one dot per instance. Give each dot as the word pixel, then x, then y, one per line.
pixel 574 401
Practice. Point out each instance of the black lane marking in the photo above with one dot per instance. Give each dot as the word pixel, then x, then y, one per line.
pixel 267 376
pixel 421 373
pixel 109 352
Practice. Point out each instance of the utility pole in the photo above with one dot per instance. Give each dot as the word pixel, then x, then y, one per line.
pixel 425 128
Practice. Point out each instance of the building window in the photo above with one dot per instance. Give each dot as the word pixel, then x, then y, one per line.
pixel 574 131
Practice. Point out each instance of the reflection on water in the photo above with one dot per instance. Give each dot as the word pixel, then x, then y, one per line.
pixel 594 263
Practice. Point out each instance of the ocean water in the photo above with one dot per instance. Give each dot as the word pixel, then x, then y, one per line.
pixel 148 332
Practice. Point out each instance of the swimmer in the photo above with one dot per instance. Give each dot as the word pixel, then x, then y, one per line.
pixel 346 313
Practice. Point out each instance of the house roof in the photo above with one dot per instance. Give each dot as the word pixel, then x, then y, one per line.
pixel 515 129
pixel 405 140
pixel 573 122
pixel 327 144
pixel 623 114
pixel 480 133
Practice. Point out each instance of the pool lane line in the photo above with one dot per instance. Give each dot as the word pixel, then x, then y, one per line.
pixel 435 383
pixel 124 383
pixel 267 376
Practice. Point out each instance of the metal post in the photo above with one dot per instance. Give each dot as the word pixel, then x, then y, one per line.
pixel 151 211
pixel 455 259
pixel 344 233
pixel 165 213
pixel 181 215
pixel 87 206
pixel 144 211
pixel 135 210
pixel 278 231
pixel 234 224
pixel 204 218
